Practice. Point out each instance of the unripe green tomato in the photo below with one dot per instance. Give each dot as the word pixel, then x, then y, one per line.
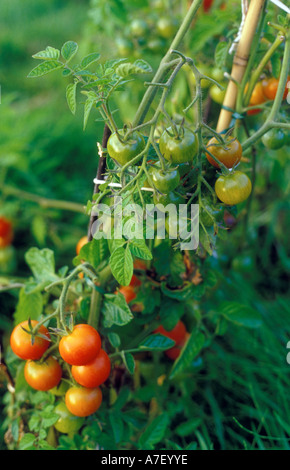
pixel 217 94
pixel 124 47
pixel 67 422
pixel 138 27
pixel 124 152
pixel 181 149
pixel 156 45
pixel 217 74
pixel 165 181
pixel 274 139
pixel 167 27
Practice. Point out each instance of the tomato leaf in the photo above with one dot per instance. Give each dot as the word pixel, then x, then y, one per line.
pixel 139 249
pixel 71 96
pixel 89 59
pixel 121 263
pixel 44 68
pixel 240 314
pixel 157 342
pixel 191 349
pixel 29 305
pixel 68 50
pixel 154 432
pixel 129 362
pixel 115 310
pixel 47 54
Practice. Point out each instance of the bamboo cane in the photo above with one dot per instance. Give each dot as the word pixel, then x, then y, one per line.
pixel 240 62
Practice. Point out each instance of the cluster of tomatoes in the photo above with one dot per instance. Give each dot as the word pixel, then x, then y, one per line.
pixel 179 147
pixel 7 253
pixel 81 349
pixel 265 90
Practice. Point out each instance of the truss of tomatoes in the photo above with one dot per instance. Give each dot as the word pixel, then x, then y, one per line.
pixel 80 348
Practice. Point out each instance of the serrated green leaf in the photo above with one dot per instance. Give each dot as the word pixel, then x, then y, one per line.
pixel 157 342
pixel 89 59
pixel 242 315
pixel 94 252
pixel 138 67
pixel 117 426
pixel 87 109
pixel 191 349
pixel 68 50
pixel 139 249
pixel 71 96
pixel 115 310
pixel 28 306
pixel 121 263
pixel 44 68
pixel 155 432
pixel 220 55
pixel 27 442
pixel 47 54
pixel 41 263
pixel 129 362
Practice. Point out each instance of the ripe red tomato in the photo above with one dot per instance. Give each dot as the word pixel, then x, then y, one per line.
pixel 177 334
pixel 82 401
pixel 83 241
pixel 270 86
pixel 229 155
pixel 233 188
pixel 207 5
pixel 24 346
pixel 135 282
pixel 141 265
pixel 128 292
pixel 174 353
pixel 81 346
pixel 43 375
pixel 6 232
pixel 95 373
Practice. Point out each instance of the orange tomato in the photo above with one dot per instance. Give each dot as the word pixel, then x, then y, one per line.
pixel 83 241
pixel 270 86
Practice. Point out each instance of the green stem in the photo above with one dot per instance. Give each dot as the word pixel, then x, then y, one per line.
pixel 42 201
pixel 164 65
pixel 97 297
